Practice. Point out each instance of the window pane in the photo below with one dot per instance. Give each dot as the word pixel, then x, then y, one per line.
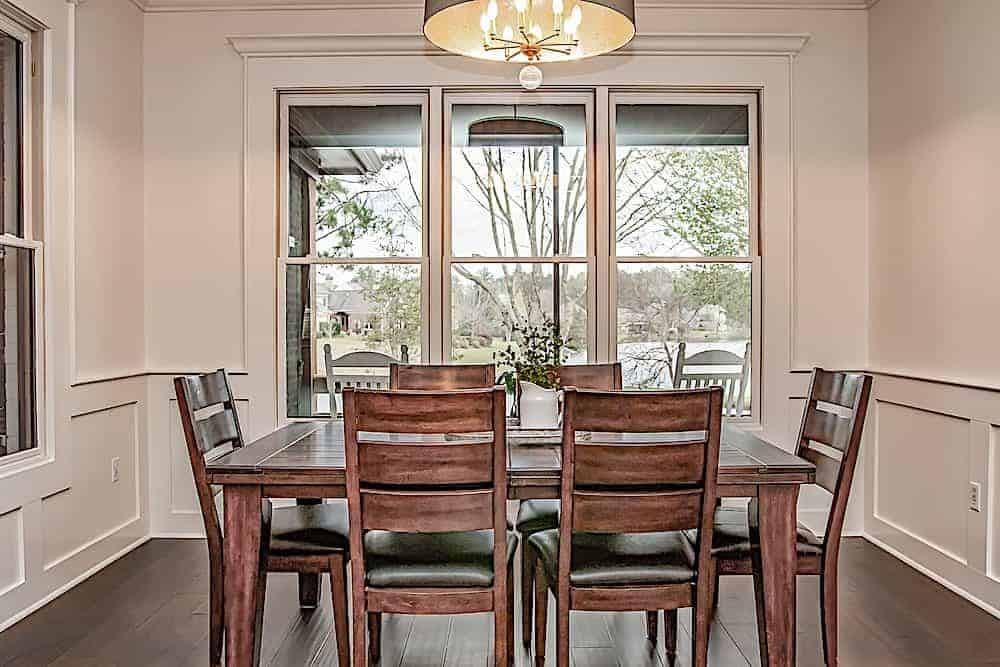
pixel 10 128
pixel 487 299
pixel 355 181
pixel 17 351
pixel 682 186
pixel 664 308
pixel 519 180
pixel 368 315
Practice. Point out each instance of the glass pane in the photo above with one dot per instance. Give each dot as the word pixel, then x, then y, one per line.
pixel 17 351
pixel 487 299
pixel 682 185
pixel 10 128
pixel 519 180
pixel 367 314
pixel 355 181
pixel 664 309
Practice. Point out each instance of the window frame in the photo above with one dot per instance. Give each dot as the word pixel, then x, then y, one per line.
pixel 753 259
pixel 30 232
pixel 419 98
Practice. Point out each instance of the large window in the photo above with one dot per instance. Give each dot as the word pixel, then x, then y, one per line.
pixel 430 227
pixel 19 257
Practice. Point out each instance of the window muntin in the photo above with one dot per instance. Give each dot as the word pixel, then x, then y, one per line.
pixel 355 245
pixel 683 238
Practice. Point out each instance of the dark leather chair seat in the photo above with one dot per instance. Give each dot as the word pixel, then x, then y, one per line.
pixel 309 530
pixel 633 559
pixel 536 515
pixel 732 536
pixel 432 560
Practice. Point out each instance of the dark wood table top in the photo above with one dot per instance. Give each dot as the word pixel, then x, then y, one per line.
pixel 312 453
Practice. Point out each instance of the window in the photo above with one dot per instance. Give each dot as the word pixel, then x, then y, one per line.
pixel 355 245
pixel 19 257
pixel 430 226
pixel 684 239
pixel 519 220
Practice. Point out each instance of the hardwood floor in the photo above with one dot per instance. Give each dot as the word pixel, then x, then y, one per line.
pixel 150 609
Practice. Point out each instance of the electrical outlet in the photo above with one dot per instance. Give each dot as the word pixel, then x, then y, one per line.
pixel 114 469
pixel 975 500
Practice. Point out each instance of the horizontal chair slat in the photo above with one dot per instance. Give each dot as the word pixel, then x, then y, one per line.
pixel 837 388
pixel 641 412
pixel 673 463
pixel 827 468
pixel 208 390
pixel 215 431
pixel 466 411
pixel 433 600
pixel 641 512
pixel 638 598
pixel 420 464
pixel 827 428
pixel 427 511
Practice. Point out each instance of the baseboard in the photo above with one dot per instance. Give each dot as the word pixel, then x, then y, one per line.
pixel 930 574
pixel 167 535
pixel 72 583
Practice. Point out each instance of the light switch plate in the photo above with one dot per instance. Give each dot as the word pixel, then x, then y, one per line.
pixel 975 497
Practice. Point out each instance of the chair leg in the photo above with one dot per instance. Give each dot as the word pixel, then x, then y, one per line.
pixel 510 618
pixel 338 592
pixel 541 616
pixel 651 623
pixel 527 591
pixel 670 635
pixel 215 621
pixel 501 627
pixel 374 637
pixel 702 616
pixel 828 611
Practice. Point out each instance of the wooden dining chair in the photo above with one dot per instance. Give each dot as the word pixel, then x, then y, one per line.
pixel 537 515
pixel 305 539
pixel 830 437
pixel 638 469
pixel 427 492
pixel 441 377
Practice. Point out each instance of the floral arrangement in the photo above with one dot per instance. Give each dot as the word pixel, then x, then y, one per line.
pixel 535 358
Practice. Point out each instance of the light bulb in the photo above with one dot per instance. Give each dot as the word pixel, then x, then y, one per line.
pixel 508 34
pixel 569 27
pixel 576 15
pixel 492 10
pixel 536 31
pixel 557 7
pixel 485 23
pixel 520 5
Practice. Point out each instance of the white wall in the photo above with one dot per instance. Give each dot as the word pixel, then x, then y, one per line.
pixel 935 427
pixel 64 518
pixel 210 239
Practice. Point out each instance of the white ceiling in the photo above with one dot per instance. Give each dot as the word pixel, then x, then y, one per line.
pixel 249 5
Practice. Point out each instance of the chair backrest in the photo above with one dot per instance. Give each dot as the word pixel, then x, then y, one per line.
pixel 441 377
pixel 602 377
pixel 830 437
pixel 715 368
pixel 639 462
pixel 210 421
pixel 426 461
pixel 336 382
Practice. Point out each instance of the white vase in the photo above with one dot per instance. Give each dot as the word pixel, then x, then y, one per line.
pixel 539 407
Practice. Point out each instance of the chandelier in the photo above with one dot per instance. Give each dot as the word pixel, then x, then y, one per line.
pixel 529 31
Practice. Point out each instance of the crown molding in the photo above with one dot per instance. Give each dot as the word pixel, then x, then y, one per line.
pixel 155 6
pixel 274 46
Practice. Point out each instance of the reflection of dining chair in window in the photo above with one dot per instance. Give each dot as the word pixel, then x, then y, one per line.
pixel 441 377
pixel 427 492
pixel 304 539
pixel 716 368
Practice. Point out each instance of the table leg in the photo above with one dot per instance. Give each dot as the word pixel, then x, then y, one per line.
pixel 242 569
pixel 310 592
pixel 773 526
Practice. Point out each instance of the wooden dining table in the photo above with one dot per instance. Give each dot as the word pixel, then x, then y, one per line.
pixel 305 460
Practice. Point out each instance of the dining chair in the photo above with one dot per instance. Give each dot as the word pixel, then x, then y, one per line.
pixel 638 469
pixel 441 377
pixel 710 368
pixel 305 539
pixel 829 436
pixel 537 515
pixel 427 495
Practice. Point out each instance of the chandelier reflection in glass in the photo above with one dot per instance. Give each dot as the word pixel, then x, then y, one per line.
pixel 529 31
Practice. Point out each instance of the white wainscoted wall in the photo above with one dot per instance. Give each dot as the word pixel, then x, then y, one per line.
pixel 935 290
pixel 64 518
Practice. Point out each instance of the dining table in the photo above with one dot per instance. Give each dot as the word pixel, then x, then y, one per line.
pixel 305 460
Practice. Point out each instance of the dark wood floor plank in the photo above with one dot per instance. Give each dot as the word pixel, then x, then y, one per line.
pixel 469 642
